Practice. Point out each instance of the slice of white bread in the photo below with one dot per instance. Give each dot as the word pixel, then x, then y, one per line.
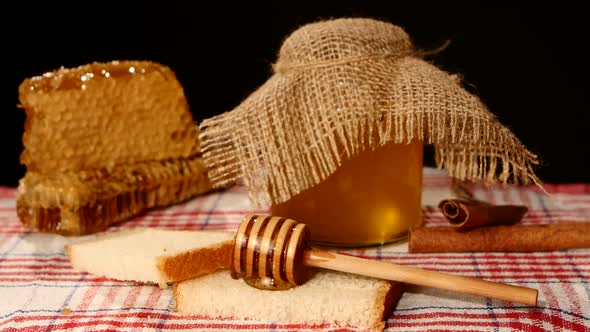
pixel 341 299
pixel 152 255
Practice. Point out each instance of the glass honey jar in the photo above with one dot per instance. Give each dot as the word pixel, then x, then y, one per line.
pixel 371 199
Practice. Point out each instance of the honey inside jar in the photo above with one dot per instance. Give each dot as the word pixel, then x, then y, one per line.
pixel 371 199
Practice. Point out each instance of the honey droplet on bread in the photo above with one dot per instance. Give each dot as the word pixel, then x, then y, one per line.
pixel 268 283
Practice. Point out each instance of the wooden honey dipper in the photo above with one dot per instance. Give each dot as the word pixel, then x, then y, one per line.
pixel 271 252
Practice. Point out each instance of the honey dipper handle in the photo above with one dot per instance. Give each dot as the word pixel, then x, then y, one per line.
pixel 411 275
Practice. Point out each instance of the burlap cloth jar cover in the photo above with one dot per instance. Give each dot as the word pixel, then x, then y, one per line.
pixel 343 85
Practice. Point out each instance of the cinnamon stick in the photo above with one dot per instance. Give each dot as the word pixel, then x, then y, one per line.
pixel 515 238
pixel 467 214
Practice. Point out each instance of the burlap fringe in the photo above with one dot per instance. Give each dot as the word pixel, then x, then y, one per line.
pixel 497 156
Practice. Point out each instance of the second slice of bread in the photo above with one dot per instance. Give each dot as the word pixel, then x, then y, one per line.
pixel 153 255
pixel 336 298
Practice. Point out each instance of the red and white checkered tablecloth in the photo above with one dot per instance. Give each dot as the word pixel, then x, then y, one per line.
pixel 39 291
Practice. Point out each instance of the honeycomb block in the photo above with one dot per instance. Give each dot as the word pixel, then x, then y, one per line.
pixel 103 143
pixel 104 114
pixel 85 202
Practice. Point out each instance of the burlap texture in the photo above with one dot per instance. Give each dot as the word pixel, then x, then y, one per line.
pixel 340 86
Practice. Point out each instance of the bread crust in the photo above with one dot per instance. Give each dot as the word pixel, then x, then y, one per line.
pixel 195 263
pixel 387 299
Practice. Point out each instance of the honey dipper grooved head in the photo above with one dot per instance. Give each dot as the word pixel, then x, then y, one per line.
pixel 270 248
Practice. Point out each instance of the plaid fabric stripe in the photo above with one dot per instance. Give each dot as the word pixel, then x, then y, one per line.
pixel 40 291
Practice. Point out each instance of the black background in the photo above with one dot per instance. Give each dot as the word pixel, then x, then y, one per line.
pixel 528 64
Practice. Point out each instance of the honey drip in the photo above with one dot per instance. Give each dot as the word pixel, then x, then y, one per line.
pixel 268 283
pixel 78 78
